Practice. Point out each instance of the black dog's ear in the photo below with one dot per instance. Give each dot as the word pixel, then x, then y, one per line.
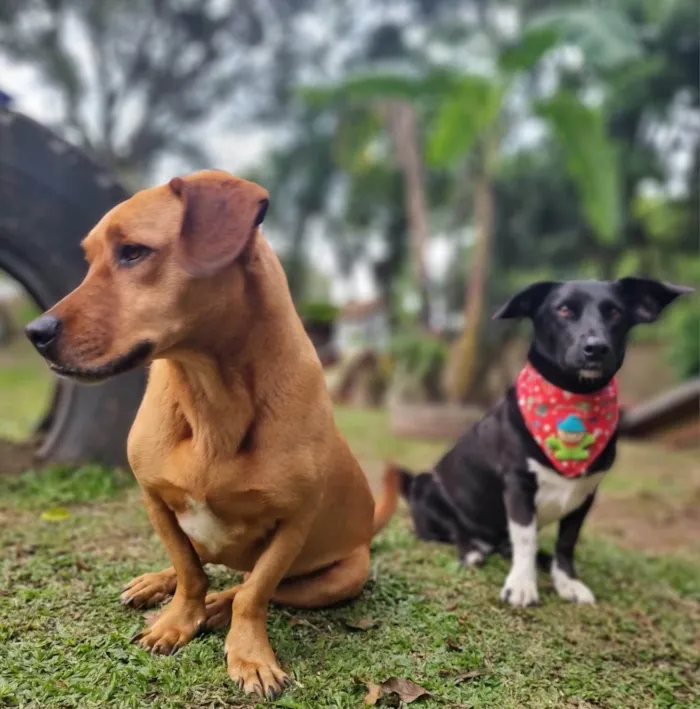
pixel 645 298
pixel 526 303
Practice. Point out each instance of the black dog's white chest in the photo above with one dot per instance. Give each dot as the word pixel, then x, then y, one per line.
pixel 557 496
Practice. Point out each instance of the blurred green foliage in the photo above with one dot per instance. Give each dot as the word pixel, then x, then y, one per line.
pixel 317 312
pixel 599 194
pixel 593 110
pixel 65 486
pixel 419 359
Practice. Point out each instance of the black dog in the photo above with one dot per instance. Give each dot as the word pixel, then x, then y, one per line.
pixel 540 453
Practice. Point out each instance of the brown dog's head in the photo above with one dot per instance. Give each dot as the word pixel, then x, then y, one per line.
pixel 163 267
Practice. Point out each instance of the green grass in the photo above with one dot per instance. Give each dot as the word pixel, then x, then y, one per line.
pixel 25 381
pixel 37 489
pixel 367 432
pixel 64 636
pixel 26 385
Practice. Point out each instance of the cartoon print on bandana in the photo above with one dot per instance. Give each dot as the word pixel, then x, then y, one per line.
pixel 571 429
pixel 571 439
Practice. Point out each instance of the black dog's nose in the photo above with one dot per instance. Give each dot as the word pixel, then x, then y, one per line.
pixel 596 348
pixel 43 334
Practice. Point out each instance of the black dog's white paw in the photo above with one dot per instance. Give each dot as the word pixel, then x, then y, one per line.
pixel 520 589
pixel 473 558
pixel 570 589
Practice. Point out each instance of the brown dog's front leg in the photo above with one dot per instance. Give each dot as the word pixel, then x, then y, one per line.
pixel 185 614
pixel 250 658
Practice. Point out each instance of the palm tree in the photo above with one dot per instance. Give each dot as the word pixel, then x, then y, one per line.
pixel 468 114
pixel 401 122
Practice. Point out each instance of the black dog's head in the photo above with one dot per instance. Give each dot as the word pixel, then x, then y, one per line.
pixel 580 327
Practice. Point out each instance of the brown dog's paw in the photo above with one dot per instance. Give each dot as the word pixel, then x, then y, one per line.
pixel 252 664
pixel 172 629
pixel 149 590
pixel 218 608
pixel 263 679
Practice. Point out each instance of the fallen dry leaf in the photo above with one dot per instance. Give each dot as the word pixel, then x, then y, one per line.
pixel 361 624
pixel 452 644
pixel 374 691
pixel 406 690
pixel 303 622
pixel 467 676
pixel 21 550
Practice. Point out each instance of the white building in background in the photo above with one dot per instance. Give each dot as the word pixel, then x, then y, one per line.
pixel 362 324
pixel 365 323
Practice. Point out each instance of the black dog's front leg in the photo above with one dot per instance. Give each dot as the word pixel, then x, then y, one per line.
pixel 563 572
pixel 520 588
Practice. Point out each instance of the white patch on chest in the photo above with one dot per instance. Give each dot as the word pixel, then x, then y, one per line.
pixel 557 495
pixel 200 524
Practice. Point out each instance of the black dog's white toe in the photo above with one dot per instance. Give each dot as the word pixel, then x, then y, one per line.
pixel 473 559
pixel 520 589
pixel 569 588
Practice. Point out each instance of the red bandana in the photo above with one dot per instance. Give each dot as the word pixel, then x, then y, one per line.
pixel 571 429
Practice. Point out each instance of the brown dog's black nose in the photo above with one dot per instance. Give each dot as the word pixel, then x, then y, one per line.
pixel 596 348
pixel 43 334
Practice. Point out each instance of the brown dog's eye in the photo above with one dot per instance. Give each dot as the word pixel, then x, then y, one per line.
pixel 131 254
pixel 565 311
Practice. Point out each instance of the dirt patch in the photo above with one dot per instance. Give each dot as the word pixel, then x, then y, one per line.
pixel 15 458
pixel 649 523
pixel 14 518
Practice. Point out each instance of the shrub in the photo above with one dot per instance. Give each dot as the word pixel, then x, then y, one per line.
pixel 317 312
pixel 419 359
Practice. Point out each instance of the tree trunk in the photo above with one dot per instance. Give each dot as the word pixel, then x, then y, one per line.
pixel 401 122
pixel 463 361
pixel 295 264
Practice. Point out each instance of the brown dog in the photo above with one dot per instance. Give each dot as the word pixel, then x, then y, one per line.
pixel 234 446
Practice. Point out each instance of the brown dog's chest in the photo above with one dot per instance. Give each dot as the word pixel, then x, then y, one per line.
pixel 226 516
pixel 234 540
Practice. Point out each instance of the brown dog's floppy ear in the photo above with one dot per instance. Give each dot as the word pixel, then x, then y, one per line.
pixel 645 298
pixel 220 216
pixel 525 303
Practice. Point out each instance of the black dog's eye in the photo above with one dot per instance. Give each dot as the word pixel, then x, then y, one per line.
pixel 130 254
pixel 613 314
pixel 565 311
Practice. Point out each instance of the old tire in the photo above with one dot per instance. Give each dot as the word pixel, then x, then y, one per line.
pixel 7 325
pixel 51 194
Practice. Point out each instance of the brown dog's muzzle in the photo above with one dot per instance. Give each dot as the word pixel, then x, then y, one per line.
pixel 46 334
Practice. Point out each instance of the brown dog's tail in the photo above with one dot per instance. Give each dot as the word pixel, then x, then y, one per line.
pixel 389 497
